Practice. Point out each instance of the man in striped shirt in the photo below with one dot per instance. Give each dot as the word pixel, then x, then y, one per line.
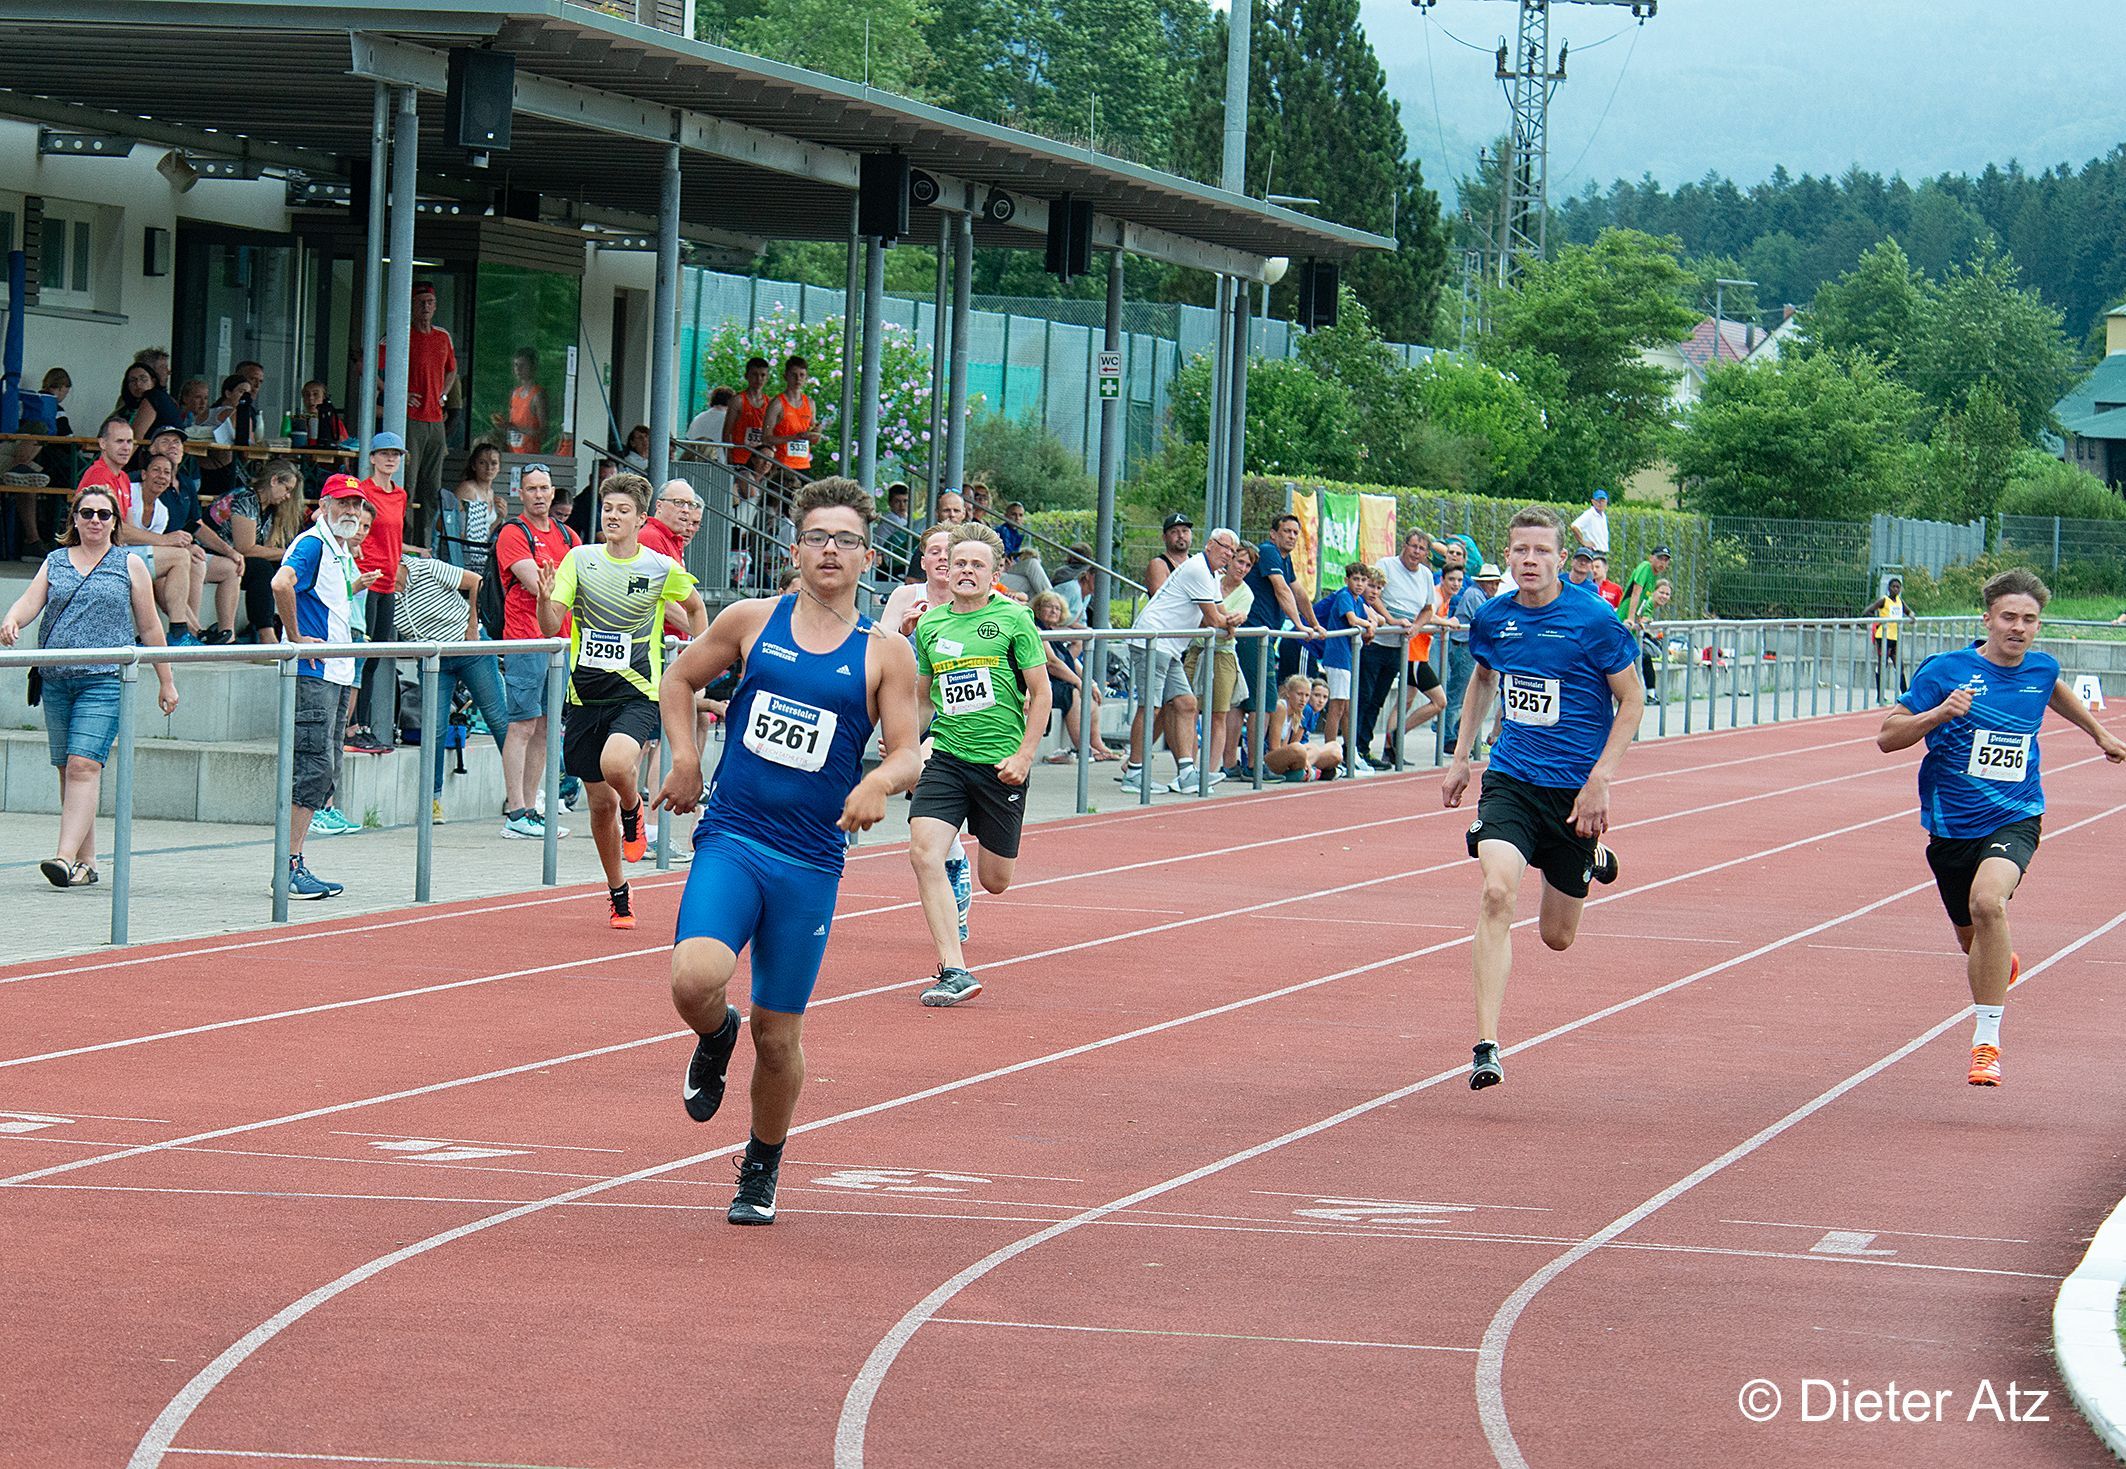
pixel 438 603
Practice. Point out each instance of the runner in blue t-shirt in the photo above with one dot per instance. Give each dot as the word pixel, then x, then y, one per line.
pixel 768 848
pixel 1978 709
pixel 1567 675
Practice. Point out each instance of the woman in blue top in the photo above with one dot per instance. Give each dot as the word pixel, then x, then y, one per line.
pixel 1980 798
pixel 768 848
pixel 92 595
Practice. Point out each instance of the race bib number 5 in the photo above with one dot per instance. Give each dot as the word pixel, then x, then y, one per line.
pixel 966 691
pixel 1529 700
pixel 610 651
pixel 790 733
pixel 1999 756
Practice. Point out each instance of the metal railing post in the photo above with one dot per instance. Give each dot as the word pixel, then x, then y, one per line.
pixel 122 809
pixel 1207 670
pixel 1734 680
pixel 1088 722
pixel 1261 694
pixel 284 787
pixel 556 676
pixel 1824 669
pixel 1690 668
pixel 664 818
pixel 1442 652
pixel 1147 711
pixel 1660 657
pixel 1402 698
pixel 424 823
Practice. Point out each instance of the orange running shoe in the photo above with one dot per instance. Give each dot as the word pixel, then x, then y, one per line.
pixel 633 842
pixel 1985 1066
pixel 623 915
pixel 2015 969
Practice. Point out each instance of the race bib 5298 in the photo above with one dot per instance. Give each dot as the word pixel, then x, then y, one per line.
pixel 608 650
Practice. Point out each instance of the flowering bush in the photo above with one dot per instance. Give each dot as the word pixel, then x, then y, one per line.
pixel 904 384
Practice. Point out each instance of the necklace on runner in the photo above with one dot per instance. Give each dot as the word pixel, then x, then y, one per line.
pixel 832 611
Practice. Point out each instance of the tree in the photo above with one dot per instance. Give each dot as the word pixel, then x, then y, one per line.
pixel 1321 123
pixel 1824 436
pixel 1299 422
pixel 1980 328
pixel 1968 459
pixel 881 43
pixel 1589 313
pixel 2039 484
pixel 1487 409
pixel 1874 309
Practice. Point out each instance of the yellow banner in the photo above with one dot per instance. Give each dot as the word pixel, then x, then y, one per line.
pixel 1306 556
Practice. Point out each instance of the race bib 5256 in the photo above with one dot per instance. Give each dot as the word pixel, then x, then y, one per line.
pixel 1996 755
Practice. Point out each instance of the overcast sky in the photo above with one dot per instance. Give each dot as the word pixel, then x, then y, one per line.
pixel 1917 87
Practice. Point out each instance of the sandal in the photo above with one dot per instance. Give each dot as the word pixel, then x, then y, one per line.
pixel 1060 757
pixel 81 875
pixel 59 874
pixel 1105 757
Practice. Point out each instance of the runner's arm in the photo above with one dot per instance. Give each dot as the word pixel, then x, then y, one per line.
pixel 899 743
pixel 699 664
pixel 1040 699
pixel 1590 809
pixel 2068 705
pixel 1903 728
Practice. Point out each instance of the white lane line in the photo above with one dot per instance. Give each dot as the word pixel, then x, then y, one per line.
pixel 287 1457
pixel 149 1452
pixel 485 1142
pixel 1978 1239
pixel 1296 1341
pixel 310 934
pixel 1491 1364
pixel 863 1393
pixel 456 984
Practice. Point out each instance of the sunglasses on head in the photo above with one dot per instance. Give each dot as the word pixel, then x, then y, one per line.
pixel 95 512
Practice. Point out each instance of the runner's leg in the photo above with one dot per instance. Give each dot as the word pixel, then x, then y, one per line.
pixel 1559 923
pixel 1503 866
pixel 1987 942
pixel 929 842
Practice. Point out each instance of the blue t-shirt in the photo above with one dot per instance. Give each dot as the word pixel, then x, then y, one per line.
pixel 1335 613
pixel 1267 611
pixel 1553 664
pixel 1466 601
pixel 1981 771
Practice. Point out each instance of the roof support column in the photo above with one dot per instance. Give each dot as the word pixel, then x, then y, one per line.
pixel 1237 391
pixel 664 322
pixel 853 285
pixel 956 408
pixel 867 402
pixel 938 337
pixel 398 289
pixel 365 383
pixel 1111 429
pixel 1218 435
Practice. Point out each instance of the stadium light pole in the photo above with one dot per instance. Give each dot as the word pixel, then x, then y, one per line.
pixel 1720 284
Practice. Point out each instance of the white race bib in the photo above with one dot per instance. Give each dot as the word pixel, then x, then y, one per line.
pixel 612 651
pixel 800 452
pixel 1996 755
pixel 1529 700
pixel 789 732
pixel 966 691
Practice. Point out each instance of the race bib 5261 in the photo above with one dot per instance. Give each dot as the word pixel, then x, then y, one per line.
pixel 1529 700
pixel 790 732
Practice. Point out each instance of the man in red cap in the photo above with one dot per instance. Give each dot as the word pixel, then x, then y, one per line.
pixel 314 592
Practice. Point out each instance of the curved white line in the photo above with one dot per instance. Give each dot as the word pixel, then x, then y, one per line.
pixel 1491 1356
pixel 173 1417
pixel 863 1393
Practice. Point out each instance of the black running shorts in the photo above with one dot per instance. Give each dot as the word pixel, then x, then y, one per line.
pixel 961 793
pixel 1424 675
pixel 1955 861
pixel 1535 821
pixel 586 727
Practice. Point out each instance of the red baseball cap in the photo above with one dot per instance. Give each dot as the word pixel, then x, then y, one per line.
pixel 342 487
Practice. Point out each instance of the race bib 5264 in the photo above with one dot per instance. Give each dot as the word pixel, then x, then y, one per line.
pixel 966 691
pixel 790 732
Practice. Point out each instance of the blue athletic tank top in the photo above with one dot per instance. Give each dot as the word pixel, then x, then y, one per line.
pixel 793 745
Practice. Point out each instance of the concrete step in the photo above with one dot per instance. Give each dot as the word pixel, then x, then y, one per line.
pixel 216 703
pixel 234 781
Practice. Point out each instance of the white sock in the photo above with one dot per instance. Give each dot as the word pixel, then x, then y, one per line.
pixel 959 853
pixel 1988 1031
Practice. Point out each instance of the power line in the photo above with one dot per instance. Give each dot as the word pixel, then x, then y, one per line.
pixel 1438 126
pixel 1629 52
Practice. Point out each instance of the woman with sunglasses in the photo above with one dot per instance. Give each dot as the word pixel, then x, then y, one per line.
pixel 92 595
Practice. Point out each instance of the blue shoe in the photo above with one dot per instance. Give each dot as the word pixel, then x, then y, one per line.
pixel 331 822
pixel 307 885
pixel 185 640
pixel 962 891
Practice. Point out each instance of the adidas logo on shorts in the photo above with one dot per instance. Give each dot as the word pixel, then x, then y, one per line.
pixel 820 932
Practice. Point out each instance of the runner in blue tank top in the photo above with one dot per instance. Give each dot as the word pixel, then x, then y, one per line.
pixel 1570 698
pixel 768 848
pixel 1980 797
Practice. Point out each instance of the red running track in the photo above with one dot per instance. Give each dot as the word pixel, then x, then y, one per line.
pixel 1197 1175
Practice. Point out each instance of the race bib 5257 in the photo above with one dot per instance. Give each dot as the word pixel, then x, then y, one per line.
pixel 1529 700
